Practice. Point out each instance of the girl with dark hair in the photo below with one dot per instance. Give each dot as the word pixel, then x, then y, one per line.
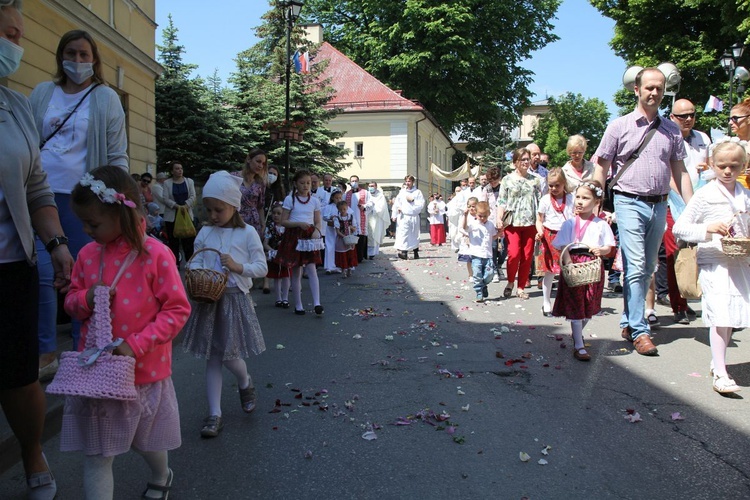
pixel 148 309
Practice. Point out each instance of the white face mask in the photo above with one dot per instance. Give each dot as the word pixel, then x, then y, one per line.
pixel 10 57
pixel 78 72
pixel 272 178
pixel 354 184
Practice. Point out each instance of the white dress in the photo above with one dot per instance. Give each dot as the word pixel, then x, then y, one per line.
pixel 378 221
pixel 407 218
pixel 725 281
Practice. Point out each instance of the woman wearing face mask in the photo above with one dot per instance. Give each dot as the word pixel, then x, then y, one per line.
pixel 26 206
pixel 81 126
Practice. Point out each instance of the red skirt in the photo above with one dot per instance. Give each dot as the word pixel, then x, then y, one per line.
pixel 437 234
pixel 276 271
pixel 288 255
pixel 347 260
pixel 548 260
pixel 581 302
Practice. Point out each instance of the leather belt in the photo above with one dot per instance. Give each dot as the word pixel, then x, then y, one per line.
pixel 655 198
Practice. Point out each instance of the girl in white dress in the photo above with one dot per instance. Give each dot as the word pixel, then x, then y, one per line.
pixel 724 280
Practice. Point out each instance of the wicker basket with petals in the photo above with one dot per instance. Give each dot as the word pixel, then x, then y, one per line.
pixel 205 285
pixel 736 246
pixel 579 273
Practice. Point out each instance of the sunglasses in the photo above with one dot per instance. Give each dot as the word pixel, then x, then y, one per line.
pixel 736 119
pixel 684 116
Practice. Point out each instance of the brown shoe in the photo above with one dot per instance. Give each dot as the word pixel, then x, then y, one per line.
pixel 626 334
pixel 644 345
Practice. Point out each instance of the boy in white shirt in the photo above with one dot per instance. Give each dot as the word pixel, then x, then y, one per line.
pixel 482 234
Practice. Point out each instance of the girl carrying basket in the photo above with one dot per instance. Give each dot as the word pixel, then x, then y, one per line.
pixel 299 247
pixel 579 304
pixel 148 308
pixel 226 331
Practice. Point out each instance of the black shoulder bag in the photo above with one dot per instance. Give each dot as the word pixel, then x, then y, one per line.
pixel 57 129
pixel 644 142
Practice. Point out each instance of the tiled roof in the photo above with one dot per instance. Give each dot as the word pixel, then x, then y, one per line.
pixel 356 89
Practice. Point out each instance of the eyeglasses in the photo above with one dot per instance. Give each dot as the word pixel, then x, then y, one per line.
pixel 736 119
pixel 524 160
pixel 576 153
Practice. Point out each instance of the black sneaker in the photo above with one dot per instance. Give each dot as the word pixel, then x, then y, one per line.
pixel 212 426
pixel 663 301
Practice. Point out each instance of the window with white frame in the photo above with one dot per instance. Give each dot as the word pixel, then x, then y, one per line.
pixel 359 150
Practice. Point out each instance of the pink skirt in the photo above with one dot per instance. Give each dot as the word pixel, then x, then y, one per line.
pixel 581 302
pixel 108 427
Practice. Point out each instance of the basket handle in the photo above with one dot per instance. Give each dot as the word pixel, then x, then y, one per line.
pixel 566 251
pixel 207 249
pixel 734 216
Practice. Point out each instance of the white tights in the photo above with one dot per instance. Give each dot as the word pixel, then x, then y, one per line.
pixel 547 291
pixel 281 286
pixel 237 367
pixel 98 479
pixel 312 276
pixel 577 325
pixel 720 337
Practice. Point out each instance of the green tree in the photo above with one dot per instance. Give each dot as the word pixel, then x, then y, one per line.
pixel 693 34
pixel 189 128
pixel 570 114
pixel 258 100
pixel 462 60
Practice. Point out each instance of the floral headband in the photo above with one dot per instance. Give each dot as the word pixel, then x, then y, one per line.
pixel 735 140
pixel 593 187
pixel 105 194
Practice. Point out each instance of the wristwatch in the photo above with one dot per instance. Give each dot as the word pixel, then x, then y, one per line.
pixel 56 242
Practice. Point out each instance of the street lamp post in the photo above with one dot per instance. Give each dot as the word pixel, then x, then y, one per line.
pixel 292 9
pixel 729 61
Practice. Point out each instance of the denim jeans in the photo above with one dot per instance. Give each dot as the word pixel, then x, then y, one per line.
pixel 73 229
pixel 482 273
pixel 641 226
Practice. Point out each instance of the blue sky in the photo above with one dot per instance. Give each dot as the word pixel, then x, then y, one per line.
pixel 580 62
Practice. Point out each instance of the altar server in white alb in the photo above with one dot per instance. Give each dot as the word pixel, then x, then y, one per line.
pixel 406 209
pixel 378 220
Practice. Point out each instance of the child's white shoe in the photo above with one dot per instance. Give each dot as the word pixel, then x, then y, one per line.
pixel 724 384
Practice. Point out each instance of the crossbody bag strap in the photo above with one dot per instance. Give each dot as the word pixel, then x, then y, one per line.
pixel 57 129
pixel 644 142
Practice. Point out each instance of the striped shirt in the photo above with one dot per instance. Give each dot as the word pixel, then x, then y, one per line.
pixel 651 172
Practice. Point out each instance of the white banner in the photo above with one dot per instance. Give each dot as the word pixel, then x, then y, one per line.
pixel 463 172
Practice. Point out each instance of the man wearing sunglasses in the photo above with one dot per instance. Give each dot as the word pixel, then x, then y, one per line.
pixel 640 194
pixel 696 142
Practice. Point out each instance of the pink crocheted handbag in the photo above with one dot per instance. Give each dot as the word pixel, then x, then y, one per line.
pixel 97 372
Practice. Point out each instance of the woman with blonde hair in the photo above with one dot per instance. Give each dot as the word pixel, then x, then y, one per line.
pixel 739 122
pixel 577 169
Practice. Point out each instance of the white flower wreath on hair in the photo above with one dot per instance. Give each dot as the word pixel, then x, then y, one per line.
pixel 105 194
pixel 726 138
pixel 596 189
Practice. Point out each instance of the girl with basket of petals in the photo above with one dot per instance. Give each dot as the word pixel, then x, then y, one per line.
pixel 716 218
pixel 584 238
pixel 300 247
pixel 148 309
pixel 224 330
pixel 347 231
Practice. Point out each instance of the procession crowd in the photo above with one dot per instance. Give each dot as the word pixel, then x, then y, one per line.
pixel 75 222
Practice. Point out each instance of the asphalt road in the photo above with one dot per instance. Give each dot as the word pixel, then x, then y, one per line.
pixel 473 386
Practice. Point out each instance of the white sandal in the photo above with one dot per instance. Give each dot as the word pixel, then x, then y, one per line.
pixel 724 384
